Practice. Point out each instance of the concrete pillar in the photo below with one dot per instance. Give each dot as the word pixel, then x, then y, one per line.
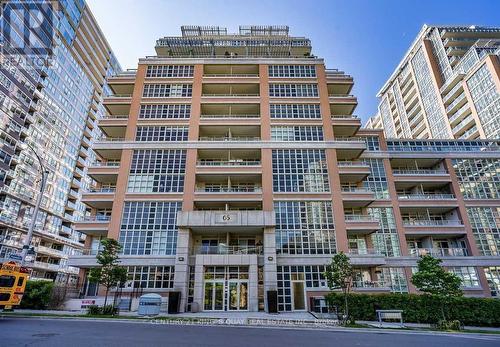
pixel 253 295
pixel 181 277
pixel 270 277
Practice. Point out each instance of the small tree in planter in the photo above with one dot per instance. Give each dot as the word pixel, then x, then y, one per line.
pixel 339 275
pixel 109 273
pixel 432 279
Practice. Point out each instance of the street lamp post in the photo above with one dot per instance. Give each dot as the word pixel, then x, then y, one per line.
pixel 44 172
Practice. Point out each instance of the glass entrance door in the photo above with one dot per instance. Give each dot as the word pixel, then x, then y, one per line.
pixel 214 296
pixel 237 295
pixel 298 295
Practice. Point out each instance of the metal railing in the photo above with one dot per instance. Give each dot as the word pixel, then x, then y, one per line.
pixel 96 218
pixel 418 172
pixel 111 139
pixel 232 75
pixel 438 252
pixel 222 249
pixel 106 163
pixel 371 284
pixel 364 251
pixel 344 116
pixel 351 163
pixel 229 95
pixel 102 190
pixel 230 116
pixel 341 96
pixel 116 116
pixel 426 196
pixel 236 162
pixel 233 189
pixel 225 138
pixel 432 222
pixel 356 190
pixel 119 96
pixel 359 218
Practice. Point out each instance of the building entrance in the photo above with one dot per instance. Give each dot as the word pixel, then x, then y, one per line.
pixel 226 288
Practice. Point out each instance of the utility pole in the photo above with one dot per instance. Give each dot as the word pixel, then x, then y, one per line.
pixel 44 172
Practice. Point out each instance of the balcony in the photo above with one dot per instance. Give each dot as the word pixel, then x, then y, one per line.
pixel 405 175
pixel 341 104
pixel 221 221
pixel 353 171
pixel 247 91
pixel 100 198
pixel 438 228
pixel 357 197
pixel 338 82
pixel 228 188
pixel 228 250
pixel 427 200
pixel 438 252
pixel 104 172
pixel 220 161
pixel 114 126
pixel 350 148
pixel 93 225
pixel 222 73
pixel 361 224
pixel 50 251
pixel 371 286
pixel 345 125
pixel 118 103
pixel 366 257
pixel 224 133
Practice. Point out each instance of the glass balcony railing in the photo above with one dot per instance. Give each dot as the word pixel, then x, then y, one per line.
pixel 418 172
pixel 364 251
pixel 235 162
pixel 95 219
pixel 426 197
pixel 370 284
pixel 223 250
pixel 438 252
pixel 226 138
pixel 232 189
pixel 359 218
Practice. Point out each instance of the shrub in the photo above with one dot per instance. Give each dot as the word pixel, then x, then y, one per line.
pixel 37 295
pixel 108 310
pixel 422 308
pixel 449 325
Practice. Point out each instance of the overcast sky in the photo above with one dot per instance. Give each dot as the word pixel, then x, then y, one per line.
pixel 365 38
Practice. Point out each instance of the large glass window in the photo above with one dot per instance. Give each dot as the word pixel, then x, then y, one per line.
pixel 304 227
pixel 157 171
pixel 154 277
pixel 312 275
pixel 149 227
pixel 170 71
pixel 296 170
pixel 292 71
pixel 293 90
pixel 485 222
pixel 467 274
pixel 162 133
pixel 167 90
pixel 478 178
pixel 165 111
pixel 493 277
pixel 385 240
pixel 295 111
pixel 297 133
pixel 377 180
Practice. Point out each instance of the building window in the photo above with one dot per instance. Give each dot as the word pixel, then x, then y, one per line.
pixel 385 240
pixel 292 71
pixel 295 111
pixel 372 143
pixel 170 71
pixel 493 278
pixel 377 180
pixel 161 133
pixel 485 223
pixel 167 90
pixel 467 274
pixel 297 133
pixel 293 90
pixel 478 178
pixel 164 111
pixel 157 171
pixel 304 227
pixel 296 170
pixel 151 277
pixel 312 275
pixel 149 227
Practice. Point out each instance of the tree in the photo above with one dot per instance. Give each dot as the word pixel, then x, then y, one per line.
pixel 109 274
pixel 339 275
pixel 432 279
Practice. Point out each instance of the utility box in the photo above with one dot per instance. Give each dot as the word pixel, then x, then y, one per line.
pixel 149 305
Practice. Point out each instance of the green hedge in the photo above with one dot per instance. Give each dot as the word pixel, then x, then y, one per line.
pixel 37 295
pixel 421 308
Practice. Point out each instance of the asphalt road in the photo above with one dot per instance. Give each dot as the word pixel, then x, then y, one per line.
pixel 73 333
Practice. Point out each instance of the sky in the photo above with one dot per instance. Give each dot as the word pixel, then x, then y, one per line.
pixel 364 38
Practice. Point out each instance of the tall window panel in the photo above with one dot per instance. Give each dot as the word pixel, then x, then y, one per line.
pixel 297 133
pixel 162 133
pixel 165 111
pixel 312 275
pixel 292 71
pixel 293 90
pixel 467 274
pixel 304 227
pixel 377 180
pixel 295 111
pixel 151 277
pixel 157 90
pixel 170 71
pixel 493 277
pixel 296 170
pixel 157 171
pixel 149 227
pixel 478 178
pixel 485 222
pixel 385 240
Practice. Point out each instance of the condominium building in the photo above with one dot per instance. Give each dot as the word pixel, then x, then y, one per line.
pixel 447 86
pixel 50 103
pixel 233 169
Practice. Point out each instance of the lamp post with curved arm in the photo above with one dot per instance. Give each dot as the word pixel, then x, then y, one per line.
pixel 44 172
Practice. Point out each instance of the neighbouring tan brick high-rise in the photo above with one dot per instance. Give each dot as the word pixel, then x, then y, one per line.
pixel 232 166
pixel 447 86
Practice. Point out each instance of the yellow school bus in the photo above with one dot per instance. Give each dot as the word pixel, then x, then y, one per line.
pixel 13 278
